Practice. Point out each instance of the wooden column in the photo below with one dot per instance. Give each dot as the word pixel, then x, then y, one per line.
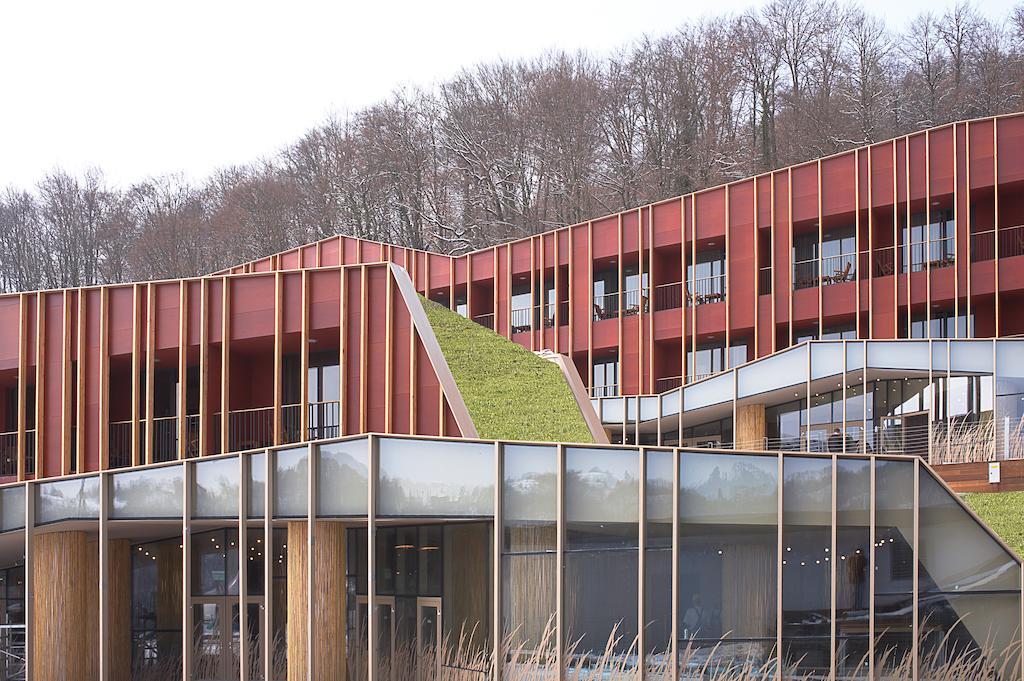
pixel 119 609
pixel 750 430
pixel 64 613
pixel 328 614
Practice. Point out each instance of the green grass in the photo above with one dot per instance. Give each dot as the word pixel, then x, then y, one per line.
pixel 511 393
pixel 1003 512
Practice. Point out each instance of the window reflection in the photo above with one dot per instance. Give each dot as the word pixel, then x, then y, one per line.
pixel 806 564
pixel 727 564
pixel 602 496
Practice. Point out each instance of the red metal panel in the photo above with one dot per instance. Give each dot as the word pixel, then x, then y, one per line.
pixel 168 300
pixel 376 329
pixel 324 300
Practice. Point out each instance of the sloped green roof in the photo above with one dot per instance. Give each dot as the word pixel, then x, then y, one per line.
pixel 1003 512
pixel 511 393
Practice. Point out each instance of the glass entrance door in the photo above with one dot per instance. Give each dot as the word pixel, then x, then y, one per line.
pixel 215 638
pixel 384 628
pixel 428 638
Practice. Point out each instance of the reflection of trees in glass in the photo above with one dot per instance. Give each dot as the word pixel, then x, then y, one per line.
pixel 78 498
pixel 343 476
pixel 148 494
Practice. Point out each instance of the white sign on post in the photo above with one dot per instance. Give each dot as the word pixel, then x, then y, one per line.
pixel 993 472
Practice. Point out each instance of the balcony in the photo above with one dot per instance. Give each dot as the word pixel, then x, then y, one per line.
pixel 521 322
pixel 606 306
pixel 838 269
pixel 1011 243
pixel 805 274
pixel 667 383
pixel 9 453
pixel 604 391
pixel 764 281
pixel 485 320
pixel 668 296
pixel 924 255
pixel 710 289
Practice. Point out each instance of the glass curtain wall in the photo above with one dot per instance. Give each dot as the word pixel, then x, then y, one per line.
pixel 602 533
pixel 529 538
pixel 777 558
pixel 728 549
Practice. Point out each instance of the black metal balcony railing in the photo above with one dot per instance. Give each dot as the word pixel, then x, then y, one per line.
pixel 885 262
pixel 706 290
pixel 764 281
pixel 668 296
pixel 485 320
pixel 634 302
pixel 119 444
pixel 838 269
pixel 250 429
pixel 805 274
pixel 922 255
pixel 667 383
pixel 165 438
pixel 606 306
pixel 324 420
pixel 1011 243
pixel 9 453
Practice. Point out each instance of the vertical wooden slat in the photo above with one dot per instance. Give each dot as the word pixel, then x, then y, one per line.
pixel 22 379
pixel 150 366
pixel 204 367
pixel 182 408
pixel 620 295
pixel 363 364
pixel 371 559
pixel 40 385
pixel 304 359
pixel 389 350
pixel 81 378
pixel 343 353
pixel 996 220
pixel 136 370
pixel 267 630
pixel 792 263
pixel 225 366
pixel 278 350
pixel 590 307
pixel 104 410
pixel 728 277
pixel 821 263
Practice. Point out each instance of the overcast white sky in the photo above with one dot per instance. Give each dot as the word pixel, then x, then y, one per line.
pixel 145 88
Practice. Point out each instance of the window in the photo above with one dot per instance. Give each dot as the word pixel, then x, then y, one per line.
pixel 706 278
pixel 941 324
pixel 606 294
pixel 839 332
pixel 837 259
pixel 710 360
pixel 606 377
pixel 521 305
pixel 927 245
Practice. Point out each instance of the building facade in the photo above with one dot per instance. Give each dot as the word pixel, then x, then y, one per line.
pixel 271 473
pixel 400 557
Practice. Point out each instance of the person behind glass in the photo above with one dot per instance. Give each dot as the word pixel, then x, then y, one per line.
pixel 835 441
pixel 694 618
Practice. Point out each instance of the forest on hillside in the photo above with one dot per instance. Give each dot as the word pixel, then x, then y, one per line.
pixel 505 149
